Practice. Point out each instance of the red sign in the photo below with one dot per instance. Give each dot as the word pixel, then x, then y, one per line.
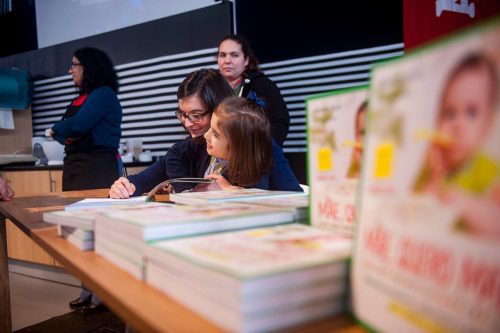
pixel 425 20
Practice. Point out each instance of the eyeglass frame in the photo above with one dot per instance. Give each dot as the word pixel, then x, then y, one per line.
pixel 74 64
pixel 182 116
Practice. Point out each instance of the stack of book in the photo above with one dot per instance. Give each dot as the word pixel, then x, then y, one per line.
pixel 77 222
pixel 255 280
pixel 121 235
pixel 79 237
pixel 76 227
pixel 299 205
pixel 243 194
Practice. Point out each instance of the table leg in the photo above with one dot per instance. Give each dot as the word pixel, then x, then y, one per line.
pixel 5 314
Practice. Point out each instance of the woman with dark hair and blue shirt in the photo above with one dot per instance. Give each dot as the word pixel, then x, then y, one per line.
pixel 90 130
pixel 91 126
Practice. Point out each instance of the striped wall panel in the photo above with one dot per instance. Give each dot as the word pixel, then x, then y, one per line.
pixel 148 91
pixel 300 78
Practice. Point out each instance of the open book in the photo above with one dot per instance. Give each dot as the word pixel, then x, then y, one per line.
pixel 158 193
pixel 92 203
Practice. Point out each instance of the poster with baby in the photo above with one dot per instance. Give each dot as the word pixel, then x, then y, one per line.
pixel 427 254
pixel 335 126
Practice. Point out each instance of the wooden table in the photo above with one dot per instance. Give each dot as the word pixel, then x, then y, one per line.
pixel 26 213
pixel 137 303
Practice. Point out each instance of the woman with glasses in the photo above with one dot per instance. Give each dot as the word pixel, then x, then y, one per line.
pixel 90 128
pixel 198 95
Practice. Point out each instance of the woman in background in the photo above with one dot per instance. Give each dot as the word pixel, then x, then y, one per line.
pixel 91 126
pixel 240 68
pixel 90 130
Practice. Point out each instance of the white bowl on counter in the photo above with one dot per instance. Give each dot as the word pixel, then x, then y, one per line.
pixel 127 158
pixel 146 156
pixel 54 151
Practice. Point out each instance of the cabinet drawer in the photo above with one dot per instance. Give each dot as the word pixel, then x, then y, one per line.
pixel 28 182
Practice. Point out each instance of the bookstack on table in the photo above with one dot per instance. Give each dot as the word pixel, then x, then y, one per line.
pixel 79 237
pixel 299 205
pixel 257 279
pixel 121 235
pixel 77 222
pixel 76 228
pixel 242 194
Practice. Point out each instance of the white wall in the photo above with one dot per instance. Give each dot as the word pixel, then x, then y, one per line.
pixel 61 21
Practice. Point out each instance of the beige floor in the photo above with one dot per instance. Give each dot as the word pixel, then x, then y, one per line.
pixel 38 293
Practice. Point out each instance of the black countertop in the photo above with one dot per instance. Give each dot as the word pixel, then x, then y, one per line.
pixel 30 166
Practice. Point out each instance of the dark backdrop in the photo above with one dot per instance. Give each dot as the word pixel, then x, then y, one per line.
pixel 18 28
pixel 283 29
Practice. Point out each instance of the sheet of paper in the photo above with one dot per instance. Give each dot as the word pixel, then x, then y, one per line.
pixel 6 118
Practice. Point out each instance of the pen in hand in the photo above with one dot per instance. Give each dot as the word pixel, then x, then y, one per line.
pixel 124 172
pixel 122 188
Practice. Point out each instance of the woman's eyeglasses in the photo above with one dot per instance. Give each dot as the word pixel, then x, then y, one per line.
pixel 74 64
pixel 193 117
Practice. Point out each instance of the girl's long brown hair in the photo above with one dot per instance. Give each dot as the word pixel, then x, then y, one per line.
pixel 248 131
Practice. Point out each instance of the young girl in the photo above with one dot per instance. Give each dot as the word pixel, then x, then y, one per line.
pixel 457 169
pixel 240 138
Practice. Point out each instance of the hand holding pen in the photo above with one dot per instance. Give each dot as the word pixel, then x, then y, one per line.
pixel 122 188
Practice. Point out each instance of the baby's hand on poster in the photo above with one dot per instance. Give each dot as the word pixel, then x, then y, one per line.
pixel 437 167
pixel 222 182
pixel 480 213
pixel 452 196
